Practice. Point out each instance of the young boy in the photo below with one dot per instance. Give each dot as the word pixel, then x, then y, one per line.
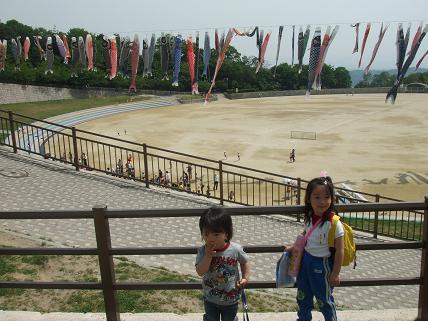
pixel 218 261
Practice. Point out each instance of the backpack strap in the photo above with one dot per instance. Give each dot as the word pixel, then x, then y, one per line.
pixel 310 231
pixel 332 232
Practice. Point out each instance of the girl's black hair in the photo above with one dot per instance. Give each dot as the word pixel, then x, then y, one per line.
pixel 218 220
pixel 328 184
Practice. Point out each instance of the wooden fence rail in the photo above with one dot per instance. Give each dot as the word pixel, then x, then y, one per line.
pixel 105 252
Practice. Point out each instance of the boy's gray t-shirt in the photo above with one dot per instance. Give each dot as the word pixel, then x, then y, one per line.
pixel 219 283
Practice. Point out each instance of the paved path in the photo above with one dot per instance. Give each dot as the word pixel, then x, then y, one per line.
pixel 384 315
pixel 30 183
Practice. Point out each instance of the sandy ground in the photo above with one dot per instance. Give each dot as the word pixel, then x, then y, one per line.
pixel 372 146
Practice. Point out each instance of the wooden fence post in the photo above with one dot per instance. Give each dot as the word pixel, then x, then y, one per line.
pixel 376 221
pixel 220 174
pixel 76 152
pixel 299 186
pixel 146 166
pixel 423 288
pixel 102 232
pixel 12 132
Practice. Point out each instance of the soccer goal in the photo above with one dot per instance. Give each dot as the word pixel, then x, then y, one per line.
pixel 303 135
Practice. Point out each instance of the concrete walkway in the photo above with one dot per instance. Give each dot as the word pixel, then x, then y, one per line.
pixel 356 315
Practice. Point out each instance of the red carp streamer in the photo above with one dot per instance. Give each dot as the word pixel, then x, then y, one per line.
pixel 376 48
pixel 416 38
pixel 220 60
pixel 89 52
pixel 135 57
pixel 113 57
pixel 263 51
pixel 67 48
pixel 26 48
pixel 363 46
pixel 191 63
pixel 420 60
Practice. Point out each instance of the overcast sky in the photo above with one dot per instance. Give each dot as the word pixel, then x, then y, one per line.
pixel 127 17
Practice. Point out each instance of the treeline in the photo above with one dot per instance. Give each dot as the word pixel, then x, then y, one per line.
pixel 238 71
pixel 386 79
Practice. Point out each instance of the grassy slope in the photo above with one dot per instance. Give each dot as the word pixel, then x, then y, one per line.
pixel 46 109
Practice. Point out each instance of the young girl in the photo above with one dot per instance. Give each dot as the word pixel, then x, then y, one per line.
pixel 320 266
pixel 217 261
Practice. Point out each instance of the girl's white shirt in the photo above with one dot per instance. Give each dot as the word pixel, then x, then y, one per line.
pixel 317 243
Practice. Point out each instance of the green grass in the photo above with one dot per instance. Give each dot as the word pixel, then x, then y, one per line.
pixel 399 229
pixel 46 109
pixel 85 268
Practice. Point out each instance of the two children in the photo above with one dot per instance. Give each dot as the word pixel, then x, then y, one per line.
pixel 217 260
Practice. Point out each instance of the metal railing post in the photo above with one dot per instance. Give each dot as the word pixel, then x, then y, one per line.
pixel 76 153
pixel 299 186
pixel 102 233
pixel 146 166
pixel 220 174
pixel 12 132
pixel 423 288
pixel 376 220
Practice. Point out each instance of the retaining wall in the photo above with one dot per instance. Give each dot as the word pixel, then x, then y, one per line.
pixel 340 91
pixel 16 93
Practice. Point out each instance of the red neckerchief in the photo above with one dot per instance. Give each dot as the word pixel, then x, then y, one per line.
pixel 224 248
pixel 315 217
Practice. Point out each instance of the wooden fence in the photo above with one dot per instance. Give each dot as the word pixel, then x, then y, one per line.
pixel 105 251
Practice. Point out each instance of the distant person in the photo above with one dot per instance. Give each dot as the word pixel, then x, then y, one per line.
pixel 290 187
pixel 167 178
pixel 84 160
pixel 119 167
pixel 160 177
pixel 231 196
pixel 225 155
pixel 189 171
pixel 239 156
pixel 185 179
pixel 293 156
pixel 218 261
pixel 215 181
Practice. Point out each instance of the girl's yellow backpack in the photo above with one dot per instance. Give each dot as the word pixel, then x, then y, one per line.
pixel 348 239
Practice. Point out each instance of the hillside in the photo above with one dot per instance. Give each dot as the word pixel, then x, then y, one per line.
pixel 357 75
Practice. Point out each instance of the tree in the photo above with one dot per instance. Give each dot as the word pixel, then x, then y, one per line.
pixel 238 71
pixel 343 79
pixel 417 77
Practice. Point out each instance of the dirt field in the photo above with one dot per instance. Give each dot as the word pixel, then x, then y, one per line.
pixel 360 140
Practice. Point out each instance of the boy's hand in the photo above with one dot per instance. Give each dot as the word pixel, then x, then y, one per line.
pixel 209 249
pixel 241 283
